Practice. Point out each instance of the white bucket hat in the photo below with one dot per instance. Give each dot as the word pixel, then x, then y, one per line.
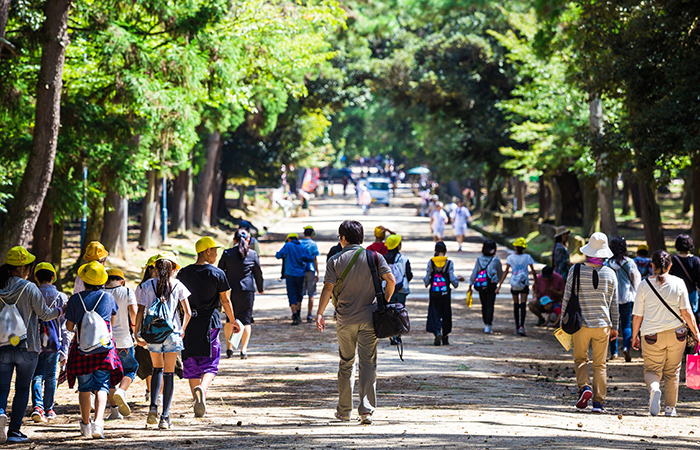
pixel 597 246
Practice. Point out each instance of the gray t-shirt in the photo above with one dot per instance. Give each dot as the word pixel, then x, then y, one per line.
pixel 356 296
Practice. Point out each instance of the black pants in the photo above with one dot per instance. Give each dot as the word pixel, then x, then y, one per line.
pixel 488 300
pixel 440 315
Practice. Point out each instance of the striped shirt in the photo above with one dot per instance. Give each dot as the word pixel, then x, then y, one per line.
pixel 599 307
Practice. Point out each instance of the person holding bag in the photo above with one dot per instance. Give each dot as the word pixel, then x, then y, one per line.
pixel 663 316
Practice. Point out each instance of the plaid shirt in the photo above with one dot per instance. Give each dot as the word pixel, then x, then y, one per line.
pixel 79 364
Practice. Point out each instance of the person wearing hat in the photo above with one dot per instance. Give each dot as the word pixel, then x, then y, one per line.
pixel 560 253
pixel 401 269
pixel 438 219
pixel 168 289
pixel 209 292
pixel 548 295
pixel 438 277
pixel 21 353
pixel 379 235
pixel 122 327
pixel 241 265
pixel 643 261
pixel 597 294
pixel 461 217
pixel 296 258
pixel 94 251
pixel 54 346
pixel 311 275
pixel 101 368
pixel 519 262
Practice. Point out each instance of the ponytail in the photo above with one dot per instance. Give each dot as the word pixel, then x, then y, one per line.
pixel 241 238
pixel 662 261
pixel 165 270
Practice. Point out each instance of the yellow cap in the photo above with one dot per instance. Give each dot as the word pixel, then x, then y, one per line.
pixel 393 241
pixel 93 273
pixel 19 256
pixel 292 235
pixel 520 242
pixel 309 227
pixel 204 244
pixel 95 251
pixel 379 232
pixel 115 272
pixel 46 266
pixel 642 247
pixel 151 261
pixel 170 257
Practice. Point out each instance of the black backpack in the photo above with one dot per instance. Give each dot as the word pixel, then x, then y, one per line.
pixel 571 319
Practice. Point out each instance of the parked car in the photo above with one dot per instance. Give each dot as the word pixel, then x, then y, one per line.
pixel 380 189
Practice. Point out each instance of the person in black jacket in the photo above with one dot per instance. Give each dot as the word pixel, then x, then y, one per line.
pixel 242 268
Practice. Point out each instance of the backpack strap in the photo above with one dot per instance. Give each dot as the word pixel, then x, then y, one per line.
pixel 98 301
pixel 680 263
pixel 81 301
pixel 18 297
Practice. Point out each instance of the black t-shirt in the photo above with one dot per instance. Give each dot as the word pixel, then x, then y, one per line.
pixel 205 282
pixel 692 266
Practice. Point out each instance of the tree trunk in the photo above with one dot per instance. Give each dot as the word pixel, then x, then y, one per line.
pixel 241 197
pixel 57 250
pixel 477 194
pixel 203 191
pixel 695 167
pixel 606 198
pixel 520 187
pixel 178 201
pixel 43 234
pixel 651 214
pixel 189 213
pixel 544 197
pixel 148 211
pixel 26 206
pixel 221 206
pixel 495 194
pixel 687 194
pixel 116 224
pixel 96 221
pixel 568 197
pixel 591 214
pixel 626 194
pixel 636 202
pixel 4 14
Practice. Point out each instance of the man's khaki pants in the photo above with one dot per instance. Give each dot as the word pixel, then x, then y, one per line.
pixel 663 359
pixel 597 339
pixel 360 337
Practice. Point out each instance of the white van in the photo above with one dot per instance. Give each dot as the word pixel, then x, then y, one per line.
pixel 380 189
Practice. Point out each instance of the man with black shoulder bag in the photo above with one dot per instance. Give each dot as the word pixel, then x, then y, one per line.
pixel 349 281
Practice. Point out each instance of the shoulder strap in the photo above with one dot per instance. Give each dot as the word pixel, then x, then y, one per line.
pixel 98 301
pixel 81 301
pixel 683 267
pixel 664 302
pixel 18 297
pixel 350 264
pixel 373 261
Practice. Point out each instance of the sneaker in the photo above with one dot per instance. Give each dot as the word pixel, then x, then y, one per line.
pixel 366 419
pixel 165 423
pixel 295 320
pixel 98 430
pixel 670 411
pixel 521 331
pixel 38 415
pixel 628 356
pixel 229 353
pixel 438 340
pixel 613 357
pixel 342 418
pixel 114 414
pixel 120 400
pixel 16 436
pixel 3 431
pixel 86 429
pixel 584 395
pixel 309 318
pixel 244 355
pixel 654 402
pixel 200 402
pixel 487 329
pixel 598 407
pixel 152 416
pixel 50 414
pixel 445 340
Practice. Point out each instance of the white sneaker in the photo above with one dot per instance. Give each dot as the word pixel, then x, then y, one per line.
pixel 98 430
pixel 366 419
pixel 114 414
pixel 200 402
pixel 86 429
pixel 654 401
pixel 120 399
pixel 3 431
pixel 670 411
pixel 487 329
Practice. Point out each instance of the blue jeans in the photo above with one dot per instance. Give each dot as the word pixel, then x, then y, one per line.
pixel 295 289
pixel 24 363
pixel 44 374
pixel 625 328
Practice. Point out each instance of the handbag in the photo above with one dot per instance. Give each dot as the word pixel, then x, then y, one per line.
pixel 692 370
pixel 390 319
pixel 571 319
pixel 690 341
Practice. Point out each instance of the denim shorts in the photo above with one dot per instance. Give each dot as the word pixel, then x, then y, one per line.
pixel 173 343
pixel 129 363
pixel 96 381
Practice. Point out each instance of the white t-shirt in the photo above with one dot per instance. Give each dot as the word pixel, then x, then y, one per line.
pixel 124 297
pixel 179 293
pixel 657 317
pixel 460 216
pixel 519 264
pixel 439 218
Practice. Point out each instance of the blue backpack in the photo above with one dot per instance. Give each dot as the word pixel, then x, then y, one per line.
pixel 157 324
pixel 50 334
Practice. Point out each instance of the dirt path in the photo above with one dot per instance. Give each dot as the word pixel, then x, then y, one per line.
pixel 484 391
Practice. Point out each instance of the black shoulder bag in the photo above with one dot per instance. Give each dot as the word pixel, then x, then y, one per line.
pixel 571 319
pixel 389 319
pixel 690 339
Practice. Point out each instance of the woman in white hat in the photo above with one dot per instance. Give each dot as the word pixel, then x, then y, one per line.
pixel 597 295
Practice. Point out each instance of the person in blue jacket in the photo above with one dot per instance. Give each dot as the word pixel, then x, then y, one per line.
pixel 296 258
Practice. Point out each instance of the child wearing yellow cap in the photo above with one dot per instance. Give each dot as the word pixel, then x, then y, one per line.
pixel 54 346
pixel 519 262
pixel 19 353
pixel 295 258
pixel 94 251
pixel 401 269
pixel 643 261
pixel 378 245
